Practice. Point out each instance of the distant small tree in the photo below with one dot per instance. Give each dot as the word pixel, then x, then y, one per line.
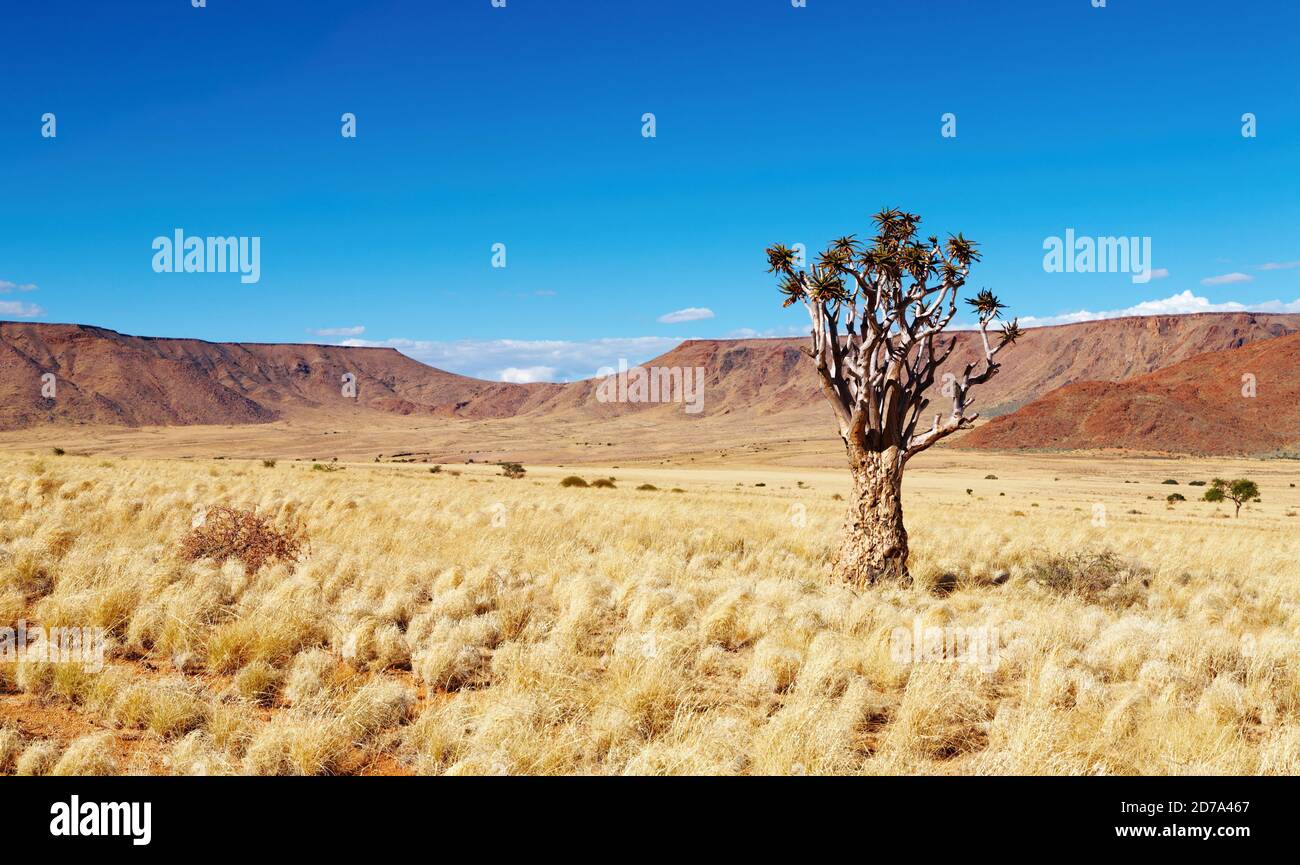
pixel 879 311
pixel 1238 492
pixel 512 470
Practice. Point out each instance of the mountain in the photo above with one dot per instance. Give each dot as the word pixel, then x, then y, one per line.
pixel 1198 406
pixel 773 375
pixel 104 377
pixel 108 379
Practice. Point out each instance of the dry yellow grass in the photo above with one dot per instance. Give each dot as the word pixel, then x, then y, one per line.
pixel 474 624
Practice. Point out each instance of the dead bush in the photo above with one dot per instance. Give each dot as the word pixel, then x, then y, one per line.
pixel 244 535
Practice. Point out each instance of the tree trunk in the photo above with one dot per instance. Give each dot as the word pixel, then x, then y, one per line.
pixel 875 541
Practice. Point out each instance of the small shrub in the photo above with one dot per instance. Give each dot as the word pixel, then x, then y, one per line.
pixel 268 464
pixel 990 477
pixel 228 533
pixel 58 452
pixel 603 483
pixel 648 488
pixel 1175 497
pixel 1091 575
pixel 513 471
pixel 1202 483
pixel 573 481
pixel 1169 481
pixel 677 490
pixel 326 467
pixel 433 470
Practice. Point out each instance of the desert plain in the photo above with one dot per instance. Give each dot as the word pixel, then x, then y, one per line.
pixel 1064 617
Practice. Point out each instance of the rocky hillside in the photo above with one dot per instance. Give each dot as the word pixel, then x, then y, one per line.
pixel 1199 406
pixel 104 377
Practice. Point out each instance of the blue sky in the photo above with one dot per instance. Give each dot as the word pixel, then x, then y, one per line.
pixel 479 125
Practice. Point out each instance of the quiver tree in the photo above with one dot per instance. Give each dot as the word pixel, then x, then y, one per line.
pixel 879 311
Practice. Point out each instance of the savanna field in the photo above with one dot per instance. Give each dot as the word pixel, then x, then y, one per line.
pixel 682 620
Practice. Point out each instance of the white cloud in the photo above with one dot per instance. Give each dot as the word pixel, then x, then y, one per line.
pixel 1159 273
pixel 690 313
pixel 562 360
pixel 356 330
pixel 771 332
pixel 1278 265
pixel 515 375
pixel 18 309
pixel 1226 279
pixel 1185 303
